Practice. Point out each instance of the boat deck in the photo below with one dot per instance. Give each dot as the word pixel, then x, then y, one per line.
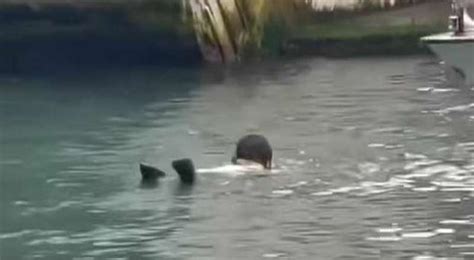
pixel 467 36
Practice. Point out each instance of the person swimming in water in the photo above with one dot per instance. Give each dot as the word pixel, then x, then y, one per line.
pixel 253 148
pixel 253 153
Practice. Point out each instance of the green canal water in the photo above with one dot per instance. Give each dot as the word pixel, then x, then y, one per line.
pixel 375 159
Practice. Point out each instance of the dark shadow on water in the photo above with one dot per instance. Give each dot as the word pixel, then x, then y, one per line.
pixel 183 191
pixel 183 199
pixel 68 53
pixel 148 185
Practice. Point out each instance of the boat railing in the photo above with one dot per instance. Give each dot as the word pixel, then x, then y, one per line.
pixel 459 20
pixel 456 19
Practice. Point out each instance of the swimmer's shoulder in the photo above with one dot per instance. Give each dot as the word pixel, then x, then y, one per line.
pixel 240 167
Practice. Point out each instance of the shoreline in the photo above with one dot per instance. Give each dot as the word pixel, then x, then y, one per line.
pixel 139 36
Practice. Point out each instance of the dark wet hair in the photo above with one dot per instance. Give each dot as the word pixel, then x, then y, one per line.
pixel 254 148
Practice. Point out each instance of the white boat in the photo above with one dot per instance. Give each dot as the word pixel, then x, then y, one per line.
pixel 456 48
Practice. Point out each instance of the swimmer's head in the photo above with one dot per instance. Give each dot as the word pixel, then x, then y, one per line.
pixel 254 148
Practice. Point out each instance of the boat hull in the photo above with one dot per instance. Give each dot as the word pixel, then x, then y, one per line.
pixel 455 51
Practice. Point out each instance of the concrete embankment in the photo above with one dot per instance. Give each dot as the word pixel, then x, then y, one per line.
pixel 51 37
pixel 395 31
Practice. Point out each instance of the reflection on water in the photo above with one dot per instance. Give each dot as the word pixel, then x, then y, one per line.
pixel 376 160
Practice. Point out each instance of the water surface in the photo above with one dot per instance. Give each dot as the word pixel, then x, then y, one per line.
pixel 376 159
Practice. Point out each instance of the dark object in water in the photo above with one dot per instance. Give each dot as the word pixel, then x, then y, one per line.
pixel 185 170
pixel 255 148
pixel 150 173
